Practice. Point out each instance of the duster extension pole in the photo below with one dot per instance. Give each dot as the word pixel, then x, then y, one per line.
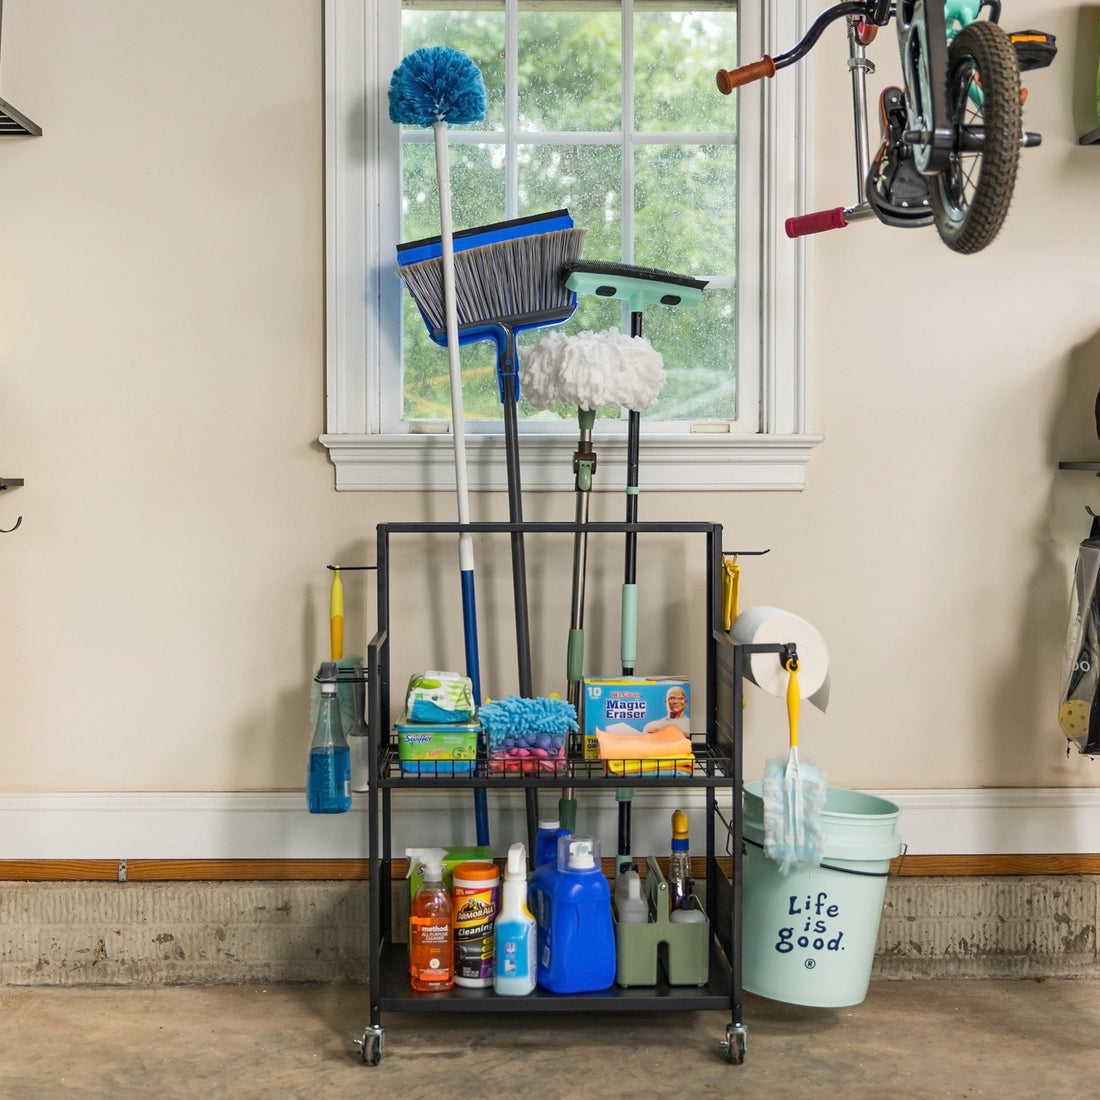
pixel 435 87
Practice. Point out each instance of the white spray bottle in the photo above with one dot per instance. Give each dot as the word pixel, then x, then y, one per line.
pixel 514 973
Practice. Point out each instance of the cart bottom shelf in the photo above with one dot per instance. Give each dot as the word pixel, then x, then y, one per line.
pixel 393 994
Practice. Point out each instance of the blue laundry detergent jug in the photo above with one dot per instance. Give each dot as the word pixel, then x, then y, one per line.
pixel 546 840
pixel 571 901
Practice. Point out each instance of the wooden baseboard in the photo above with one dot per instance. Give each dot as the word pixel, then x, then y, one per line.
pixel 291 870
pixel 945 866
pixel 181 870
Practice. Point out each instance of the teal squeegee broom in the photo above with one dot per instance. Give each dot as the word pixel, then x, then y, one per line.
pixel 435 87
pixel 639 287
pixel 623 382
pixel 794 796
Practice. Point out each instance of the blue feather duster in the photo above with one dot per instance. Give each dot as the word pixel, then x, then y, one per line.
pixel 436 84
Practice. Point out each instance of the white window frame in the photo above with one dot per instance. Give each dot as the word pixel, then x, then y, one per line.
pixel 773 300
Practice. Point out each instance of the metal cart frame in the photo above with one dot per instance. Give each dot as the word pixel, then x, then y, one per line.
pixel 717 769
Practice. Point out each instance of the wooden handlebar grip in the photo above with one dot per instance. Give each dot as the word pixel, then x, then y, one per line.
pixel 818 222
pixel 728 79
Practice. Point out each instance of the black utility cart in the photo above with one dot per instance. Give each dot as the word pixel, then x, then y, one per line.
pixel 717 770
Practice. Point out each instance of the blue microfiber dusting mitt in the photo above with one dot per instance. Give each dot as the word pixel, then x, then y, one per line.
pixel 513 717
pixel 528 735
pixel 436 84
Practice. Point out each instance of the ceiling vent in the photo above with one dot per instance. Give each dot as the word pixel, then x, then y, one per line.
pixel 11 120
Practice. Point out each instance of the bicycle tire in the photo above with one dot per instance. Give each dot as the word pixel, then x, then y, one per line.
pixel 970 198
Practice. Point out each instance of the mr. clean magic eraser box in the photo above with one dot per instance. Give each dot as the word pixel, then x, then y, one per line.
pixel 635 701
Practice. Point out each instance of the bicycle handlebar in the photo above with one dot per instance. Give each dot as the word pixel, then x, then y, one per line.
pixel 728 79
pixel 818 222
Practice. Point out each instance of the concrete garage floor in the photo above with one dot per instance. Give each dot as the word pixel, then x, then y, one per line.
pixel 908 1039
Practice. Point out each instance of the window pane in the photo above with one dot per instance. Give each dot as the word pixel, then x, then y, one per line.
pixel 697 345
pixel 684 208
pixel 477 188
pixel 427 381
pixel 585 180
pixel 570 70
pixel 676 54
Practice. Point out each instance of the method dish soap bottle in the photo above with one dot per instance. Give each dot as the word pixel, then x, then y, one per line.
pixel 573 909
pixel 328 784
pixel 431 931
pixel 516 950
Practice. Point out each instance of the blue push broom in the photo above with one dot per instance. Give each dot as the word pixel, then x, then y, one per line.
pixel 436 87
pixel 506 282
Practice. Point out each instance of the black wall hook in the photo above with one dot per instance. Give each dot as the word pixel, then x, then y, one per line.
pixel 10 482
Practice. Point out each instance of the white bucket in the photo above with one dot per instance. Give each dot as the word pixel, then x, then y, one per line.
pixel 809 936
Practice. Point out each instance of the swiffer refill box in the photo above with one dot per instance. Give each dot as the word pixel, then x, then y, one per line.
pixel 633 701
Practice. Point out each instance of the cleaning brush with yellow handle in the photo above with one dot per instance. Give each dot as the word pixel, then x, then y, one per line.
pixel 336 616
pixel 793 795
pixel 731 583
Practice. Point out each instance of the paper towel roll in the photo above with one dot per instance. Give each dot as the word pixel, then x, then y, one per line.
pixel 770 625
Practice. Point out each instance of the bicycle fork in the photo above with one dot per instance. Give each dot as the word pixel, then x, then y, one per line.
pixel 860 67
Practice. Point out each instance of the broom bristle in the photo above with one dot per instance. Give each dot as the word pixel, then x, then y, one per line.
pixel 502 281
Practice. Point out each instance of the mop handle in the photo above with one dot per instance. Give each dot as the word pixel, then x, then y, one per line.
pixel 794 699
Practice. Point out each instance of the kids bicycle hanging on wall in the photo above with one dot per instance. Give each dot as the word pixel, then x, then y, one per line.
pixel 951 135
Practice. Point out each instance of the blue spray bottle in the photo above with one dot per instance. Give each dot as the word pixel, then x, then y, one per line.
pixel 328 781
pixel 516 949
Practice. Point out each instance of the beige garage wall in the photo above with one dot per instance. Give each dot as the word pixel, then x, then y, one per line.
pixel 164 603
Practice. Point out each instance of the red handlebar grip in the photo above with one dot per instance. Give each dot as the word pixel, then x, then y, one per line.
pixel 728 79
pixel 818 222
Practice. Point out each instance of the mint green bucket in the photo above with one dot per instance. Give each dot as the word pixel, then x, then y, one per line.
pixel 809 936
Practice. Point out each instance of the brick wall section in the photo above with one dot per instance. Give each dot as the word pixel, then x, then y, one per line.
pixel 1000 927
pixel 188 933
pixel 104 933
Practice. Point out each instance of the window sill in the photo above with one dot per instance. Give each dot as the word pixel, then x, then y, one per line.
pixel 423 464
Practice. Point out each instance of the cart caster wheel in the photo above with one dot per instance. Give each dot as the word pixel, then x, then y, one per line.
pixel 371 1045
pixel 733 1046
